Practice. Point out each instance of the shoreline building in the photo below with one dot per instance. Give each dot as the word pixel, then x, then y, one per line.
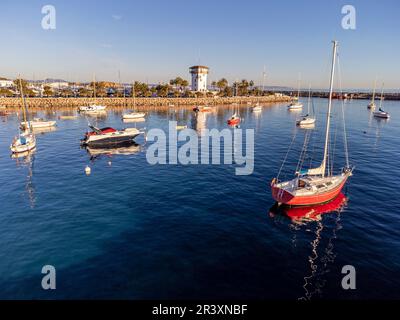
pixel 199 78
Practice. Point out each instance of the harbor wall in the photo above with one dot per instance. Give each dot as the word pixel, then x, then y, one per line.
pixel 55 103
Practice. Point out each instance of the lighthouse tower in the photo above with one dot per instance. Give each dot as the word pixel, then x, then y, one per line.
pixel 199 78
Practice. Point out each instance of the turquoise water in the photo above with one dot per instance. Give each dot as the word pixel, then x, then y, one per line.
pixel 139 231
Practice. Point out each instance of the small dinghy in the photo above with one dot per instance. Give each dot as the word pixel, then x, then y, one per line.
pixel 109 136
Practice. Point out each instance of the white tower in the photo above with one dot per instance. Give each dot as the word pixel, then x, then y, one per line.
pixel 199 78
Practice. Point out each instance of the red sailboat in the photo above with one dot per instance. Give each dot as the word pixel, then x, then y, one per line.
pixel 315 185
pixel 234 120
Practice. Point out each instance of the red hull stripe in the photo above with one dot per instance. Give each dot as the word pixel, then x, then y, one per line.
pixel 285 197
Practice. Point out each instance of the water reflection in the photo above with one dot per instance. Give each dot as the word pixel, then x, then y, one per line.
pixel 26 159
pixel 125 149
pixel 309 219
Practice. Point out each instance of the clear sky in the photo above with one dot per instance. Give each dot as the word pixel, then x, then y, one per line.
pixel 157 40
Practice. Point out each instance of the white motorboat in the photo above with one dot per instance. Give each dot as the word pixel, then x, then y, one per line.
pixel 133 115
pixel 381 113
pixel 92 108
pixel 109 136
pixel 38 123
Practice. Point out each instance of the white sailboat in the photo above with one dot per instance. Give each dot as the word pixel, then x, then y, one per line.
pixel 381 113
pixel 296 105
pixel 372 105
pixel 307 120
pixel 93 108
pixel 26 141
pixel 133 114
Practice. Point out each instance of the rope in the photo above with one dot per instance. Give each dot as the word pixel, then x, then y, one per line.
pixel 287 153
pixel 346 148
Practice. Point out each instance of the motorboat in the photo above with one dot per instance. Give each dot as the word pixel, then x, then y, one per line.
pixel 38 123
pixel 133 115
pixel 256 108
pixel 109 136
pixel 92 108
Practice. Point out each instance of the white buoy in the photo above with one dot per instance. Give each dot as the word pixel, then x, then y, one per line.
pixel 109 163
pixel 87 170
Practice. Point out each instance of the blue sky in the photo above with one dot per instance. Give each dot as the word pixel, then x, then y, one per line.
pixel 155 41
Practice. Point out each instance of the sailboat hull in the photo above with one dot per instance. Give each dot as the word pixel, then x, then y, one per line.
pixel 285 197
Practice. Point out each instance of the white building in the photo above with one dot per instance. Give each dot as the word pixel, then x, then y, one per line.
pixel 57 85
pixel 6 83
pixel 199 78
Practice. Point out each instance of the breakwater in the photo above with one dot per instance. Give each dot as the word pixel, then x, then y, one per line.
pixel 55 103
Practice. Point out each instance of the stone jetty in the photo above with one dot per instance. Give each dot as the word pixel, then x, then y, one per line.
pixel 55 103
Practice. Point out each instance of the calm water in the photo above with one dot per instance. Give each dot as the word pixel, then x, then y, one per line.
pixel 132 230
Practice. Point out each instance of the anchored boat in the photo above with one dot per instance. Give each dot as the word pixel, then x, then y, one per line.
pixel 26 141
pixel 109 136
pixel 38 123
pixel 307 120
pixel 315 185
pixel 381 113
pixel 92 108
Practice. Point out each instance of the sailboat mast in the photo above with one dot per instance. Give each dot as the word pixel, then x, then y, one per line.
pixel 380 103
pixel 328 116
pixel 22 99
pixel 373 94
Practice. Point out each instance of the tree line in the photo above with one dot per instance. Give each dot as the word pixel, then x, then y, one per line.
pixel 177 87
